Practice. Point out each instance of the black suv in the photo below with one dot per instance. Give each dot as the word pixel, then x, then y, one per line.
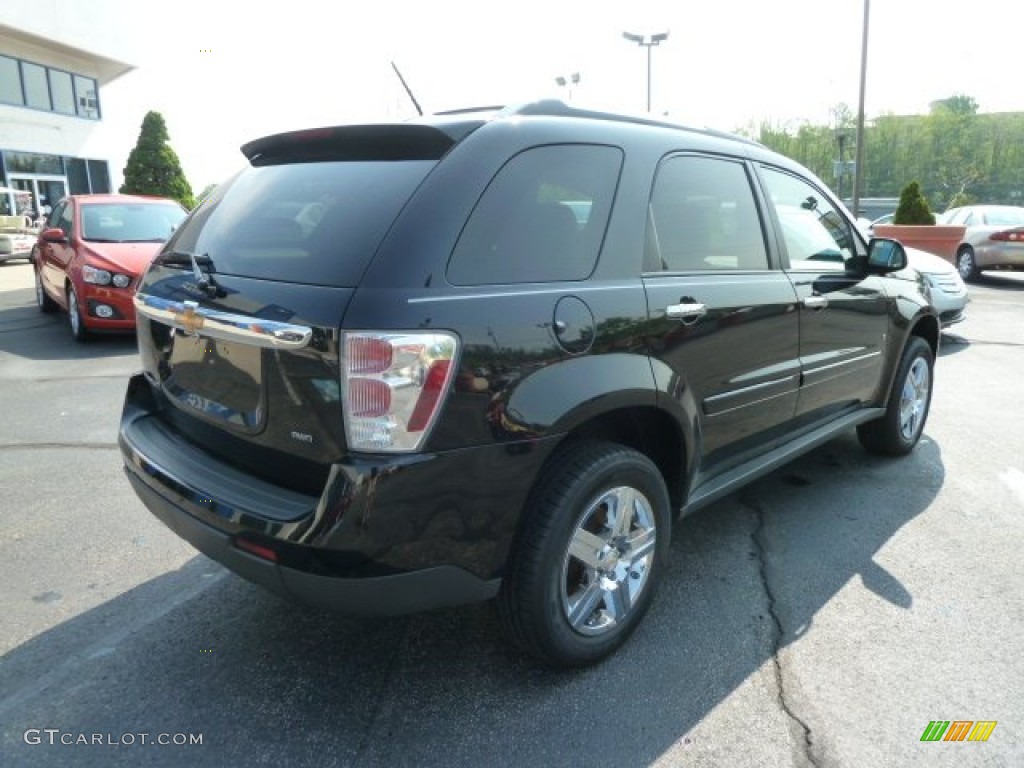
pixel 493 354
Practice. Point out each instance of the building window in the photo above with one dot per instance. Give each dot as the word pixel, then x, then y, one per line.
pixel 63 94
pixel 37 91
pixel 88 103
pixel 99 176
pixel 33 85
pixel 10 82
pixel 28 162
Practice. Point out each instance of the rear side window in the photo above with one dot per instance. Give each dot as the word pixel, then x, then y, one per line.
pixel 703 217
pixel 541 219
pixel 310 222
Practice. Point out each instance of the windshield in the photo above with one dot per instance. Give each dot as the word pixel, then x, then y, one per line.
pixel 130 222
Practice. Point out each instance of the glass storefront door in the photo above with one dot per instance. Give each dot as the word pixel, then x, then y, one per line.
pixel 46 190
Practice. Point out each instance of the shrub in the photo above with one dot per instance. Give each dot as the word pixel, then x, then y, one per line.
pixel 913 207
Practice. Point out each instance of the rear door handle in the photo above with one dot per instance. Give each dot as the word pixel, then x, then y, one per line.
pixel 816 302
pixel 686 312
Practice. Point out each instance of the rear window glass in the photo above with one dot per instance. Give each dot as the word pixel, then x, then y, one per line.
pixel 130 222
pixel 541 219
pixel 316 223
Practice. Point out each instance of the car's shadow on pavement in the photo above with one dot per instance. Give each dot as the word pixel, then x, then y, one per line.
pixel 28 333
pixel 271 683
pixel 952 343
pixel 993 279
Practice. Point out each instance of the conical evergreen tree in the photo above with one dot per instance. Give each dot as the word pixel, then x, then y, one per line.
pixel 913 207
pixel 153 167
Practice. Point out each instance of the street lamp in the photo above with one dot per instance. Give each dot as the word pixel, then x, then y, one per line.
pixel 858 169
pixel 648 42
pixel 573 79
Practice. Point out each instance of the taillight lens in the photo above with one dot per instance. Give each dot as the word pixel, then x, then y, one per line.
pixel 393 385
pixel 1008 236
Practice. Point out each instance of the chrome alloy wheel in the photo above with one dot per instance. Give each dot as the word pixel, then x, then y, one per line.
pixel 914 399
pixel 608 561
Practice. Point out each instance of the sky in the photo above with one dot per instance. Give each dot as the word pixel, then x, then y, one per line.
pixel 223 72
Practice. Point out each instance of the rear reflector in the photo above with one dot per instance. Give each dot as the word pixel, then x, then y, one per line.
pixel 261 551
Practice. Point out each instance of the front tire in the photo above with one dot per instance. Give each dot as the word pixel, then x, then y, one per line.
pixel 897 432
pixel 593 543
pixel 966 264
pixel 78 330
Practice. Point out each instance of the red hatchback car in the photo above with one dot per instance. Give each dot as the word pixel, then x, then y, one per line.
pixel 90 254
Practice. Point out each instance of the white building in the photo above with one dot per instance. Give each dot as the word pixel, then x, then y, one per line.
pixel 55 59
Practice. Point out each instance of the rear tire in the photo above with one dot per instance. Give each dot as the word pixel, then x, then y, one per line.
pixel 593 542
pixel 897 432
pixel 966 264
pixel 43 300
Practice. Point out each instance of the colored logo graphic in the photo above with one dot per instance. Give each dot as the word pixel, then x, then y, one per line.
pixel 958 730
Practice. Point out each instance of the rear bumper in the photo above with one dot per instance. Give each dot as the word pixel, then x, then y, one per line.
pixel 388 535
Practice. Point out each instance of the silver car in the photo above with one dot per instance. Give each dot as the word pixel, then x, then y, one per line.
pixel 994 238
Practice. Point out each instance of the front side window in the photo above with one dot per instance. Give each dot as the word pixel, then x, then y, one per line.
pixel 541 219
pixel 62 217
pixel 815 234
pixel 703 217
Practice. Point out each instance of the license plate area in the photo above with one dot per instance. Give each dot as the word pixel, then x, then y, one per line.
pixel 219 381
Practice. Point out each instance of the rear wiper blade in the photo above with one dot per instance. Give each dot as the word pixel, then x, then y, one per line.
pixel 204 280
pixel 183 257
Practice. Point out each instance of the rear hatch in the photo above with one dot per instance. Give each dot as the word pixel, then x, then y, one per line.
pixel 239 316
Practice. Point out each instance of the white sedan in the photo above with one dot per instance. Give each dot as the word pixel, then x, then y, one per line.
pixel 949 293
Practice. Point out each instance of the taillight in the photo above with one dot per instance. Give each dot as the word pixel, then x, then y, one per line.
pixel 393 385
pixel 1008 236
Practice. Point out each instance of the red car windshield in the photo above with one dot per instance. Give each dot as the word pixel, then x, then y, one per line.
pixel 130 222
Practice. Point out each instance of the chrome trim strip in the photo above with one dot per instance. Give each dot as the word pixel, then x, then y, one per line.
pixel 841 363
pixel 189 317
pixel 748 389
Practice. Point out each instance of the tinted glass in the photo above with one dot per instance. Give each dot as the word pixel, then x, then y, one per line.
pixel 816 235
pixel 99 176
pixel 130 222
pixel 63 94
pixel 542 218
pixel 37 92
pixel 10 81
pixel 703 217
pixel 314 223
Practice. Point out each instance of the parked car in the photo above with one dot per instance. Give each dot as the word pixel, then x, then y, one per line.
pixel 949 294
pixel 505 353
pixel 17 235
pixel 90 253
pixel 994 238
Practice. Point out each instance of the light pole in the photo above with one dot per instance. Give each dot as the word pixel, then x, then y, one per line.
pixel 648 42
pixel 858 168
pixel 573 79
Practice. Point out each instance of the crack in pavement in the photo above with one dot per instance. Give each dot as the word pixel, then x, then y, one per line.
pixel 760 549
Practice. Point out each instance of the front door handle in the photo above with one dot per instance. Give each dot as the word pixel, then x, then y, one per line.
pixel 686 312
pixel 816 302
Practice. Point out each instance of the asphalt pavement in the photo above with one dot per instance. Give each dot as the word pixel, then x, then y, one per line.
pixel 824 616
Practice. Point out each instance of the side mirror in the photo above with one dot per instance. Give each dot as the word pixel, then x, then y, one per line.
pixel 886 255
pixel 54 235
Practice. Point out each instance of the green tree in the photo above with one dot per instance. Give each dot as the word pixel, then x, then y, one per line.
pixel 153 167
pixel 913 207
pixel 207 191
